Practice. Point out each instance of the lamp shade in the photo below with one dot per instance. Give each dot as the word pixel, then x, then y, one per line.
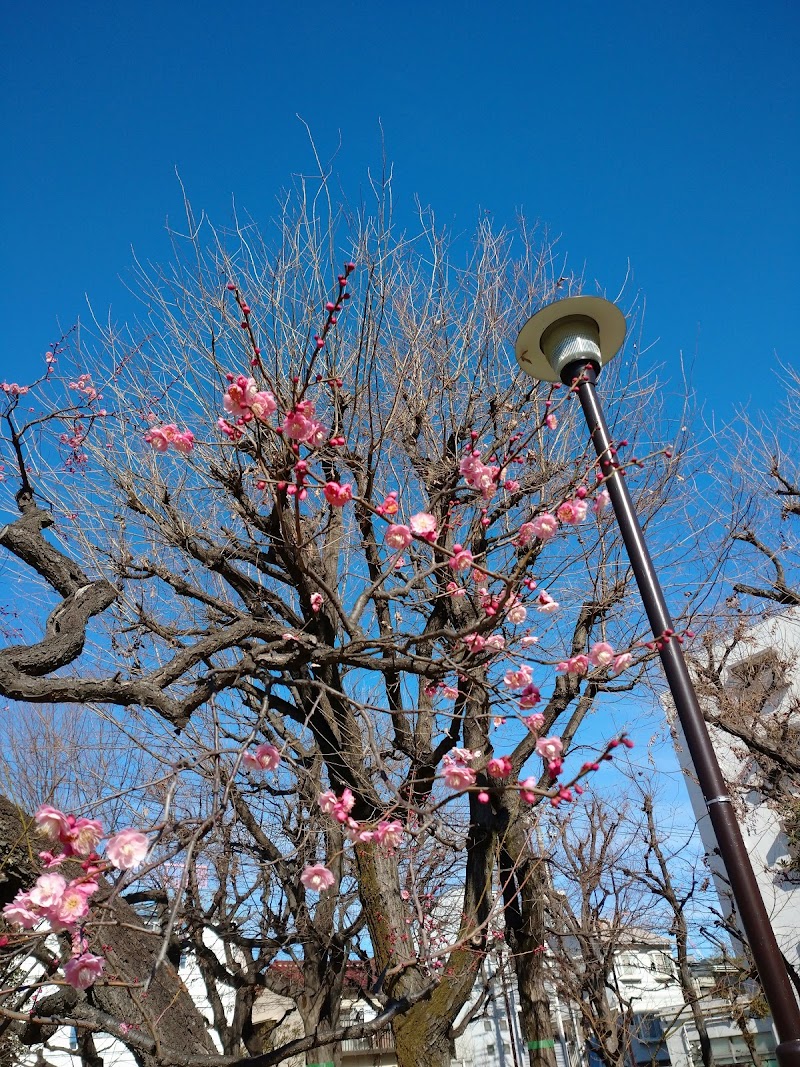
pixel 578 327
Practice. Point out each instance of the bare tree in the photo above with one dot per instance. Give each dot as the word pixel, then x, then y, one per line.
pixel 248 522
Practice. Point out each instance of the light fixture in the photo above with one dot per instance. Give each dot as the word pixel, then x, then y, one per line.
pixel 569 330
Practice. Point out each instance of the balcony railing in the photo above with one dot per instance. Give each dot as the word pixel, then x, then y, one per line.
pixel 382 1041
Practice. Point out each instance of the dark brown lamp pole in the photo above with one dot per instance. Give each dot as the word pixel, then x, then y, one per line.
pixel 569 341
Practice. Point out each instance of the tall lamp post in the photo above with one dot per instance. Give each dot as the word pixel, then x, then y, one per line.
pixel 569 341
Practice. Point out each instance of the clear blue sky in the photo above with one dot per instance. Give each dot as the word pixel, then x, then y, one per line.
pixel 666 136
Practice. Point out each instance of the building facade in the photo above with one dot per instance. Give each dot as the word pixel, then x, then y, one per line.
pixel 760 680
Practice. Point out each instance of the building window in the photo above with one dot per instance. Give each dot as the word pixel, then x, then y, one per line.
pixel 661 963
pixel 487 1025
pixel 649 1029
pixel 490 1049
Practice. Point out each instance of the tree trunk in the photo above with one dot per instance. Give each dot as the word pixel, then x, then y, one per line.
pixel 167 1012
pixel 525 887
pixel 422 1034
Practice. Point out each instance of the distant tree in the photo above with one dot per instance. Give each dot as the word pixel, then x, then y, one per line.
pixel 751 690
pixel 621 882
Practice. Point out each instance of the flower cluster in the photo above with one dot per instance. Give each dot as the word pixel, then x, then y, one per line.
pixel 300 425
pixel 478 474
pixel 601 654
pixel 64 904
pixel 161 437
pixel 265 758
pixel 338 495
pixel 83 384
pixel 456 770
pixel 244 401
pixel 571 512
pixel 388 832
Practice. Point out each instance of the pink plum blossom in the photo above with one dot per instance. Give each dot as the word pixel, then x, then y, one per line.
pixel 549 748
pixel 457 775
pixel 389 505
pixel 47 891
pixel 527 790
pixel 478 474
pixel 183 442
pixel 316 601
pixel 338 495
pixel 463 755
pixel 343 806
pixel 555 766
pixel 389 834
pixel 574 665
pixel 51 821
pixel 499 767
pixel 546 604
pixel 398 536
pixel 265 758
pixel 621 662
pixel 525 534
pixel 82 836
pixel 83 971
pixel 231 432
pixel 296 425
pixel 600 502
pixel 73 906
pixel 299 424
pixel 517 613
pixel 20 912
pixel 461 559
pixel 338 807
pixel 545 526
pixel 572 511
pixel 423 525
pixel 161 437
pixel 530 696
pixel 237 399
pixel 475 642
pixel 358 833
pixel 263 404
pixel 127 849
pixel 518 679
pixel 601 654
pixel 534 722
pixel 317 877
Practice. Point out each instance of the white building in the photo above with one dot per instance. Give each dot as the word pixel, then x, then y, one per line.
pixel 762 674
